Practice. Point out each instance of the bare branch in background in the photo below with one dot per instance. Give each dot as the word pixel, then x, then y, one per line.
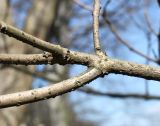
pixel 121 40
pixel 118 95
pixel 83 5
pixel 149 23
pixel 42 75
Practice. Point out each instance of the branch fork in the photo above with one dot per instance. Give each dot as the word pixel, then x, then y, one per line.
pixel 98 64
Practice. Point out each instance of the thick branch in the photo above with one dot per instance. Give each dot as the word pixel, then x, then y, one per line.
pixel 25 97
pixel 46 58
pixel 22 59
pixel 133 69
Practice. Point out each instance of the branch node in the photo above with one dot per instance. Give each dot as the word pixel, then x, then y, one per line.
pixel 66 55
pixel 101 64
pixel 46 54
pixel 78 83
pixel 3 27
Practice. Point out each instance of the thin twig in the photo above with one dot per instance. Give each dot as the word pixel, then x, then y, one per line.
pixel 118 95
pixel 83 5
pixel 147 62
pixel 149 23
pixel 96 13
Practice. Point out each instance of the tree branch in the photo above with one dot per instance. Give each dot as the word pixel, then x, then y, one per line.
pixel 22 59
pixel 83 5
pixel 57 50
pixel 118 95
pixel 100 64
pixel 46 58
pixel 133 69
pixel 17 99
pixel 95 92
pixel 96 13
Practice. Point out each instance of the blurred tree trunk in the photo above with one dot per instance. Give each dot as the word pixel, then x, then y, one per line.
pixel 40 22
pixel 11 80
